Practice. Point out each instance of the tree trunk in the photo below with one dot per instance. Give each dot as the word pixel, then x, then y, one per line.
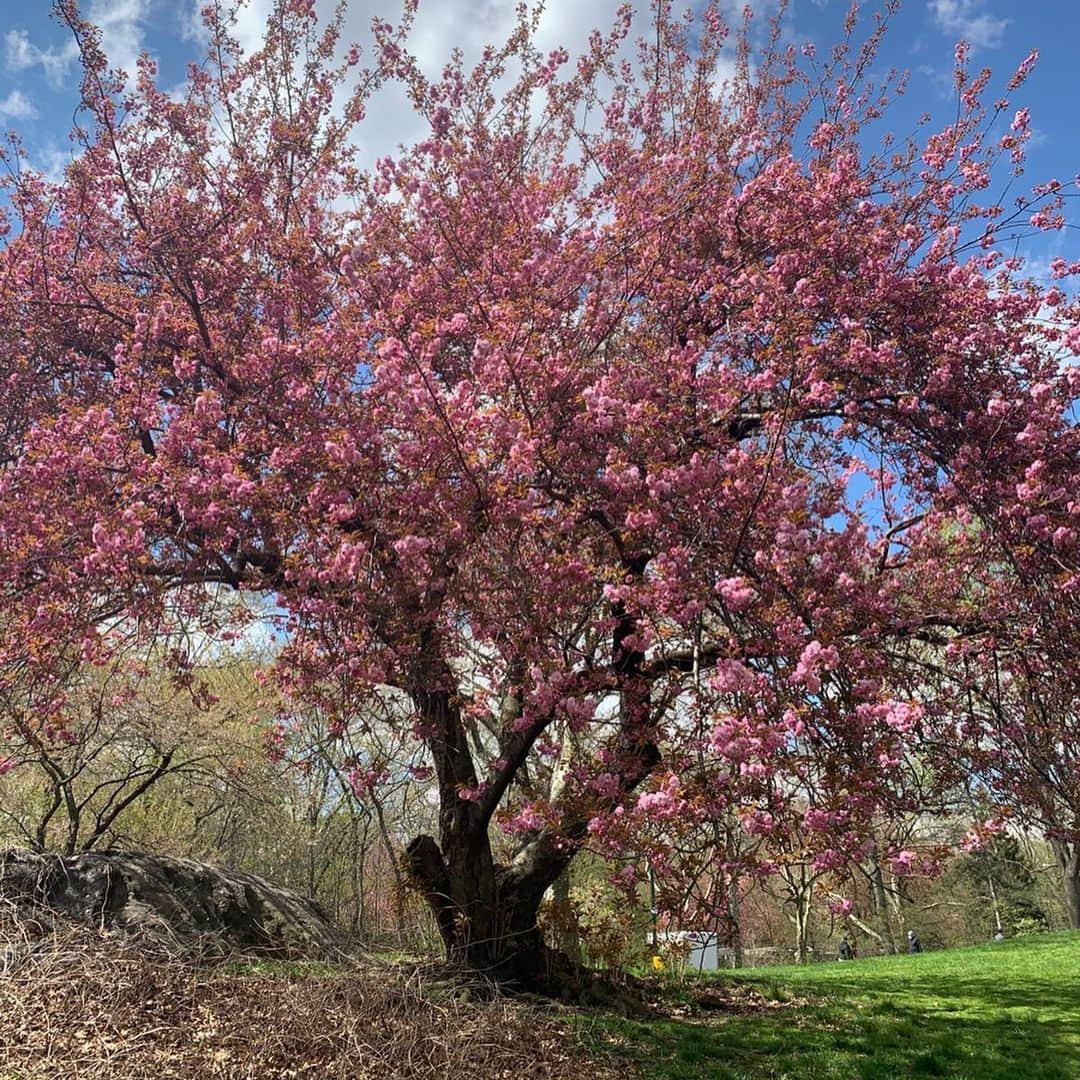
pixel 359 839
pixel 456 875
pixel 487 915
pixel 395 868
pixel 881 903
pixel 735 937
pixel 731 843
pixel 802 925
pixel 1068 857
pixel 995 907
pixel 567 939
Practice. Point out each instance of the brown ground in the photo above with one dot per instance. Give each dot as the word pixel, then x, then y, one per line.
pixel 82 1005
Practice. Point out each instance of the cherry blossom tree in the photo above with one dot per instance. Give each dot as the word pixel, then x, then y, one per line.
pixel 543 428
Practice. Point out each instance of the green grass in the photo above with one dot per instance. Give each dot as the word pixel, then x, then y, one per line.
pixel 1005 1011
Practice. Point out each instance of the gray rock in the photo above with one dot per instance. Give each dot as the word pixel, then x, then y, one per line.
pixel 196 904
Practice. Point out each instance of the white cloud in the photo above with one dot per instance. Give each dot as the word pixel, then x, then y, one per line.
pixel 440 26
pixel 17 106
pixel 20 53
pixel 190 25
pixel 121 24
pixel 51 161
pixel 941 80
pixel 251 20
pixel 965 19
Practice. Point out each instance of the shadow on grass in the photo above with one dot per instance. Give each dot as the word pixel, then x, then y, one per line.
pixel 1048 996
pixel 976 1028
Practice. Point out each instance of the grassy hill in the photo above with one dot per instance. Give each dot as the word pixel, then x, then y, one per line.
pixel 1004 1011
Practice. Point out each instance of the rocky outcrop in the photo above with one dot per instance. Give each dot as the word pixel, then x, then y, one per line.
pixel 196 904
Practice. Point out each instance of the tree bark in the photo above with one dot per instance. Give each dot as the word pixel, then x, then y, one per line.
pixel 395 868
pixel 456 875
pixel 992 891
pixel 802 925
pixel 487 914
pixel 881 903
pixel 731 879
pixel 567 939
pixel 1068 857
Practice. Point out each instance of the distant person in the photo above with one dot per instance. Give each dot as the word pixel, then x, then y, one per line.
pixel 913 943
pixel 845 951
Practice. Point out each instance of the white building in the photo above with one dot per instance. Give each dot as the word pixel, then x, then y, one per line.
pixel 702 949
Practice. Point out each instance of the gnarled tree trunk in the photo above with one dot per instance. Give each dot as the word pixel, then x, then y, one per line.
pixel 487 913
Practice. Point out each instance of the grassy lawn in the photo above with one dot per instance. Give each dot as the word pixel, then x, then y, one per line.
pixel 1005 1010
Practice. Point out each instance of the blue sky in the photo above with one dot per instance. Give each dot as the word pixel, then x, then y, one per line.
pixel 39 75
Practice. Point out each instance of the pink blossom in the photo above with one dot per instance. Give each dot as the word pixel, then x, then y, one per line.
pixel 902 862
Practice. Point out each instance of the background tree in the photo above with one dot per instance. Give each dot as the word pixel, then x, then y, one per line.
pixel 73 783
pixel 1023 730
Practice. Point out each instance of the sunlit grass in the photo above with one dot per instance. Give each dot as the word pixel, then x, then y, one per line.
pixel 1004 1011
